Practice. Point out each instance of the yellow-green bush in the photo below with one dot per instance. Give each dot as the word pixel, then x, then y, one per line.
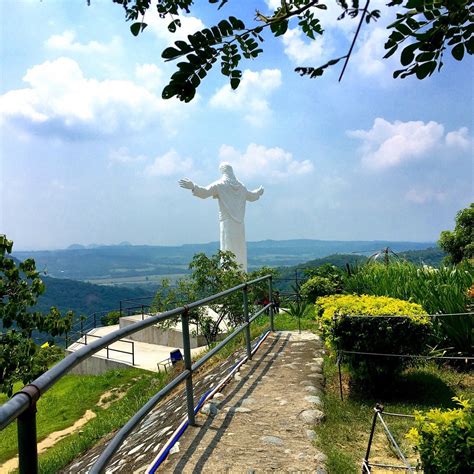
pixel 377 334
pixel 444 439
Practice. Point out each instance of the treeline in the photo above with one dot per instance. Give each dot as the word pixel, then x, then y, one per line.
pixel 432 257
pixel 84 298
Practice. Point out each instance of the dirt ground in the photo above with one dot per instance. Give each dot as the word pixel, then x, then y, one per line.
pixel 263 420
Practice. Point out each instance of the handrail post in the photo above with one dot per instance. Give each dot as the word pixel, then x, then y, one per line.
pixel 245 291
pixel 188 366
pixel 26 431
pixel 27 447
pixel 378 408
pixel 270 299
pixel 133 353
pixel 120 310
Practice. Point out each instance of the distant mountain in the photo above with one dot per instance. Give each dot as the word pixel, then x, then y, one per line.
pixel 76 247
pixel 119 262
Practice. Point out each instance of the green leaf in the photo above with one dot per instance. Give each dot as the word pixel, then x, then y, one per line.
pixel 173 25
pixel 408 54
pixel 279 28
pixel 425 69
pixel 225 27
pixel 137 28
pixel 170 53
pixel 234 83
pixel 237 24
pixel 402 28
pixel 458 52
pixel 391 52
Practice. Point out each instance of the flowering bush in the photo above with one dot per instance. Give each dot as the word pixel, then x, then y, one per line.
pixel 368 331
pixel 444 440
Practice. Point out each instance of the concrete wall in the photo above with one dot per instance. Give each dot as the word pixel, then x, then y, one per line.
pixel 96 365
pixel 162 337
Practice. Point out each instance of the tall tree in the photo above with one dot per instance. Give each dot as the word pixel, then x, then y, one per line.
pixel 459 243
pixel 20 287
pixel 425 28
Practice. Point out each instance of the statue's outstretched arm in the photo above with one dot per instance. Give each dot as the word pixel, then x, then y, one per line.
pixel 186 183
pixel 254 195
pixel 198 191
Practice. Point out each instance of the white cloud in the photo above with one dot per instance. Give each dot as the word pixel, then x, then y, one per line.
pixel 66 43
pixel 302 50
pixel 459 139
pixel 387 145
pixel 251 97
pixel 169 164
pixel 258 161
pixel 425 196
pixel 122 155
pixel 61 101
pixel 369 57
pixel 159 26
pixel 149 75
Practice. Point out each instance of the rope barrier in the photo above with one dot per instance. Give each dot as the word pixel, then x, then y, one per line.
pixel 425 357
pixel 441 315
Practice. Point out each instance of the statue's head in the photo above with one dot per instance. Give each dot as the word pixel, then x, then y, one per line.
pixel 226 168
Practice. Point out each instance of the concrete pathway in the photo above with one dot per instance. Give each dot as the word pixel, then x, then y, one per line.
pixel 263 420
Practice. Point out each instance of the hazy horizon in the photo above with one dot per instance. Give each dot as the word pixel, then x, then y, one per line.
pixel 93 245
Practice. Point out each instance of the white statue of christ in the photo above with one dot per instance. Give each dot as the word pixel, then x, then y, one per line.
pixel 232 196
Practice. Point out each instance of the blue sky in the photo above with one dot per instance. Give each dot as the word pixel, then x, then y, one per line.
pixel 90 153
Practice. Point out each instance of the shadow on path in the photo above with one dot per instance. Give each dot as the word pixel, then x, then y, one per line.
pixel 264 365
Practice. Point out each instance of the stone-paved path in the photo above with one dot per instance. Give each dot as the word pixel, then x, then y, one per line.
pixel 263 420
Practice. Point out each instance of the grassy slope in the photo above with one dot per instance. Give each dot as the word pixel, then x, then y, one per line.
pixel 65 403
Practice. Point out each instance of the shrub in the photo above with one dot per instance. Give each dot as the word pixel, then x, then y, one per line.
pixel 443 290
pixel 444 440
pixel 317 286
pixel 395 335
pixel 110 318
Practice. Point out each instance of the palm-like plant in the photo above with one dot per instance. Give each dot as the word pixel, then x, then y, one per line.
pixel 298 309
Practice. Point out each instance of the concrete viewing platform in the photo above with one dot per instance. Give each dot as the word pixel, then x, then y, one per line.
pixel 146 356
pixel 143 349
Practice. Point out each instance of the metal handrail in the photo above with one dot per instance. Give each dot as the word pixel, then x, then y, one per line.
pixel 85 335
pixel 22 405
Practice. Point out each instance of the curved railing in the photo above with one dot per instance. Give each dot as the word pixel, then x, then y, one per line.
pixel 22 406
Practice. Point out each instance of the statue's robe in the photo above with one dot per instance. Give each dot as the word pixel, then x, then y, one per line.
pixel 232 196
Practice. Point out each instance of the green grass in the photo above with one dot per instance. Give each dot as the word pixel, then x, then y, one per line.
pixel 104 423
pixel 65 403
pixel 344 435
